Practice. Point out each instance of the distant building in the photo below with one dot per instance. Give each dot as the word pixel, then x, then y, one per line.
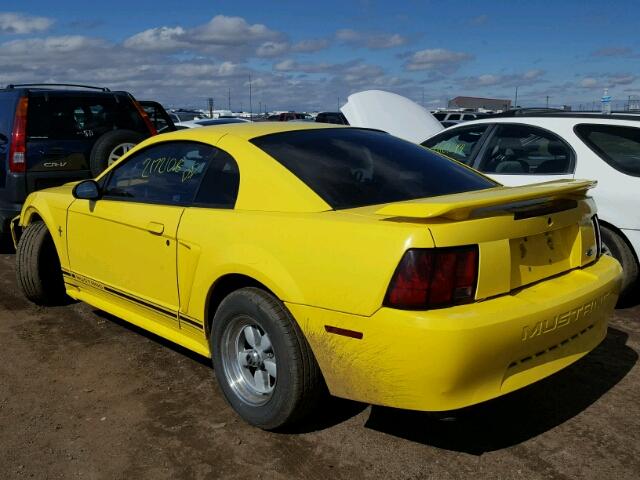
pixel 479 102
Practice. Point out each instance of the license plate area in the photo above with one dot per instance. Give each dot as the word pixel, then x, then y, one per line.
pixel 535 257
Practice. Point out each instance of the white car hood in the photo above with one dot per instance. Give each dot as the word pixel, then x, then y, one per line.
pixel 392 113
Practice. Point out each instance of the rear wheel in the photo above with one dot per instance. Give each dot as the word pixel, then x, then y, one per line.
pixel 614 245
pixel 38 268
pixel 262 361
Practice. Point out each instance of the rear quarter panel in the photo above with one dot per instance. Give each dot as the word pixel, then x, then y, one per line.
pixel 333 260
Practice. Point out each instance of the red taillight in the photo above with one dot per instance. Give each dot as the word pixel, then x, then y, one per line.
pixel 428 278
pixel 145 117
pixel 18 145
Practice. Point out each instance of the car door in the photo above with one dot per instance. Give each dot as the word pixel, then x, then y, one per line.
pixel 461 143
pixel 518 154
pixel 123 245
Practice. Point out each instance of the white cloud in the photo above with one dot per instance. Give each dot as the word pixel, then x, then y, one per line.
pixel 17 23
pixel 310 46
pixel 437 59
pixel 229 37
pixel 589 82
pixel 529 77
pixel 272 49
pixel 372 41
pixel 479 20
pixel 158 39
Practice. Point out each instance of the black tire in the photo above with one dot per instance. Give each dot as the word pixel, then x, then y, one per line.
pixel 38 267
pixel 299 386
pixel 620 250
pixel 105 146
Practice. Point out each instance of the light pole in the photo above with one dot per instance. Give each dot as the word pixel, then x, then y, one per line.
pixel 250 104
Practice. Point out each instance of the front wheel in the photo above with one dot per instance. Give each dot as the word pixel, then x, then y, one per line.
pixel 38 267
pixel 263 363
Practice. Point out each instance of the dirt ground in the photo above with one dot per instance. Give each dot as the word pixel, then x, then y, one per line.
pixel 85 395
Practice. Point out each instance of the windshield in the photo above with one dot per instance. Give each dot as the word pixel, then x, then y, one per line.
pixel 351 167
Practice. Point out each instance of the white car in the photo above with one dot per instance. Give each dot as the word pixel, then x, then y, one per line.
pixel 206 122
pixel 531 148
pixel 538 146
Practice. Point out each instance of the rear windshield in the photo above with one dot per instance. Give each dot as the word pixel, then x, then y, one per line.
pixel 617 145
pixel 350 167
pixel 67 117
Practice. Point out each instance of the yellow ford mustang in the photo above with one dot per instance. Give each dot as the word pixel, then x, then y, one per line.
pixel 301 257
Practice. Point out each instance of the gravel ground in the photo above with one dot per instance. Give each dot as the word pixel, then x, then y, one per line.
pixel 85 395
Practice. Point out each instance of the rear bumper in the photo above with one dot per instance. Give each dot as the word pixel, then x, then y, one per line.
pixel 454 357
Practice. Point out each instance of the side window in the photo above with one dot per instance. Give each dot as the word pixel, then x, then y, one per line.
pixel 617 145
pixel 219 188
pixel 168 173
pixel 457 144
pixel 526 150
pixel 453 116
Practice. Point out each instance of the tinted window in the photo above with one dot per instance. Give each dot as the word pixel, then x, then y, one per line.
pixel 67 117
pixel 457 144
pixel 453 116
pixel 351 167
pixel 167 173
pixel 616 145
pixel 468 117
pixel 220 184
pixel 219 121
pixel 522 149
pixel 439 116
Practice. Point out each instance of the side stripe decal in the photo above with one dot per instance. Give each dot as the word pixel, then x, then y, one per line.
pixel 113 291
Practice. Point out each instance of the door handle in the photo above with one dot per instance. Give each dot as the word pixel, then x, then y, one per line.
pixel 155 228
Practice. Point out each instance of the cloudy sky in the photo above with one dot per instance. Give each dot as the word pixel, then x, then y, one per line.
pixel 311 55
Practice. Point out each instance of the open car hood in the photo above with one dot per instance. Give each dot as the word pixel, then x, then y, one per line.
pixel 392 113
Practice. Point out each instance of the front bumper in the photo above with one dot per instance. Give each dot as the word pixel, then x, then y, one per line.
pixel 454 357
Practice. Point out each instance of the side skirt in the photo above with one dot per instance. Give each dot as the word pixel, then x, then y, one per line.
pixel 141 313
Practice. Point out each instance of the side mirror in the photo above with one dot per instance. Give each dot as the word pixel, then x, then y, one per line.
pixel 87 190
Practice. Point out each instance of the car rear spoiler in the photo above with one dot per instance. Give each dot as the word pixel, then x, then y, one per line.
pixel 459 206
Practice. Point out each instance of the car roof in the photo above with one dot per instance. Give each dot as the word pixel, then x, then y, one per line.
pixel 564 114
pixel 557 120
pixel 245 130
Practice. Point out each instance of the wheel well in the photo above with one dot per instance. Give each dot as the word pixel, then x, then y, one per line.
pixel 35 217
pixel 621 234
pixel 223 287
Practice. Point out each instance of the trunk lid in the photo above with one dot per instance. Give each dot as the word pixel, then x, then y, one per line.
pixel 524 234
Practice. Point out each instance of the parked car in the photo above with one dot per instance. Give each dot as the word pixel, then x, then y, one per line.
pixel 452 118
pixel 207 122
pixel 183 115
pixel 52 134
pixel 336 118
pixel 158 116
pixel 287 116
pixel 307 256
pixel 521 148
